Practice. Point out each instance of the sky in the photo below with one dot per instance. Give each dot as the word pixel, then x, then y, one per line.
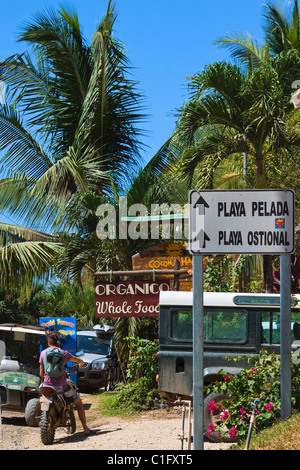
pixel 166 41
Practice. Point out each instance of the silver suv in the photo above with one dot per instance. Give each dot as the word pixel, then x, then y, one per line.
pixel 95 347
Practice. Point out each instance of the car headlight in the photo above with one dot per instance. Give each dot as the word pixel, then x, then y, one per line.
pixel 98 365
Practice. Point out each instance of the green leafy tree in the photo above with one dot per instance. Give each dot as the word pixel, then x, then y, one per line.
pixel 140 392
pixel 68 300
pixel 69 128
pixel 231 112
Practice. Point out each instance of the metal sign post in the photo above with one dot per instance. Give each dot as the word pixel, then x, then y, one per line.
pixel 285 336
pixel 254 221
pixel 198 415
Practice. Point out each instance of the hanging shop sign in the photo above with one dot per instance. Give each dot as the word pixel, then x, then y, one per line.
pixel 162 257
pixel 128 298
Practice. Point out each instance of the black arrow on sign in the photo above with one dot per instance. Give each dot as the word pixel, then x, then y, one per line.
pixel 202 204
pixel 202 238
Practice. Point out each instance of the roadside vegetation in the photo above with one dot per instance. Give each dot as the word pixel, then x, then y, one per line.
pixel 283 435
pixel 260 381
pixel 140 391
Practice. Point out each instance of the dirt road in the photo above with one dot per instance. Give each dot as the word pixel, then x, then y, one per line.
pixel 153 430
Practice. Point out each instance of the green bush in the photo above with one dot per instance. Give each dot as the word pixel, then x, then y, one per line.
pixel 143 361
pixel 140 391
pixel 260 381
pixel 137 396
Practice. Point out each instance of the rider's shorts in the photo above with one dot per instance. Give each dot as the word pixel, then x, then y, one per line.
pixel 70 392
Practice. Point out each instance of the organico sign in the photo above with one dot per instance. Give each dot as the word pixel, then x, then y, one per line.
pixel 128 298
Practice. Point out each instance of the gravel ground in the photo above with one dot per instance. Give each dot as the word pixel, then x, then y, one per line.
pixel 153 430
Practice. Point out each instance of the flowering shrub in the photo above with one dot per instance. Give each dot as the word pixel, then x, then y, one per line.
pixel 261 381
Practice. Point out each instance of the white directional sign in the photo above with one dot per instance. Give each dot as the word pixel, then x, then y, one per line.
pixel 255 221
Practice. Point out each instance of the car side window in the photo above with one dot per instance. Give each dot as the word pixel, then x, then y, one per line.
pixel 270 327
pixel 220 325
pixel 226 326
pixel 181 325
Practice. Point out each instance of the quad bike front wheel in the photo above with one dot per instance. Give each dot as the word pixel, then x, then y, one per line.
pixel 47 426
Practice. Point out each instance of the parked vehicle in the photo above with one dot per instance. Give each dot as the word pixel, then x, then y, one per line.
pixel 96 348
pixel 235 324
pixel 19 368
pixel 56 411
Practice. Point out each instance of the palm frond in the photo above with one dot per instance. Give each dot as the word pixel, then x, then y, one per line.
pixel 114 106
pixel 281 28
pixel 24 154
pixel 24 233
pixel 23 262
pixel 245 50
pixel 216 144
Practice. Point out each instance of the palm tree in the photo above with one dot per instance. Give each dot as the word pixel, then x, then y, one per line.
pixel 282 36
pixel 69 127
pixel 232 111
pixel 282 33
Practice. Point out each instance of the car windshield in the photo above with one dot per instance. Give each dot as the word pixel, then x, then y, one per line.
pixel 93 344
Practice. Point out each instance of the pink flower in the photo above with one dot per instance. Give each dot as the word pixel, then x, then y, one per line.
pixel 269 407
pixel 211 429
pixel 242 413
pixel 232 432
pixel 225 415
pixel 227 376
pixel 250 371
pixel 214 408
pixel 211 406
